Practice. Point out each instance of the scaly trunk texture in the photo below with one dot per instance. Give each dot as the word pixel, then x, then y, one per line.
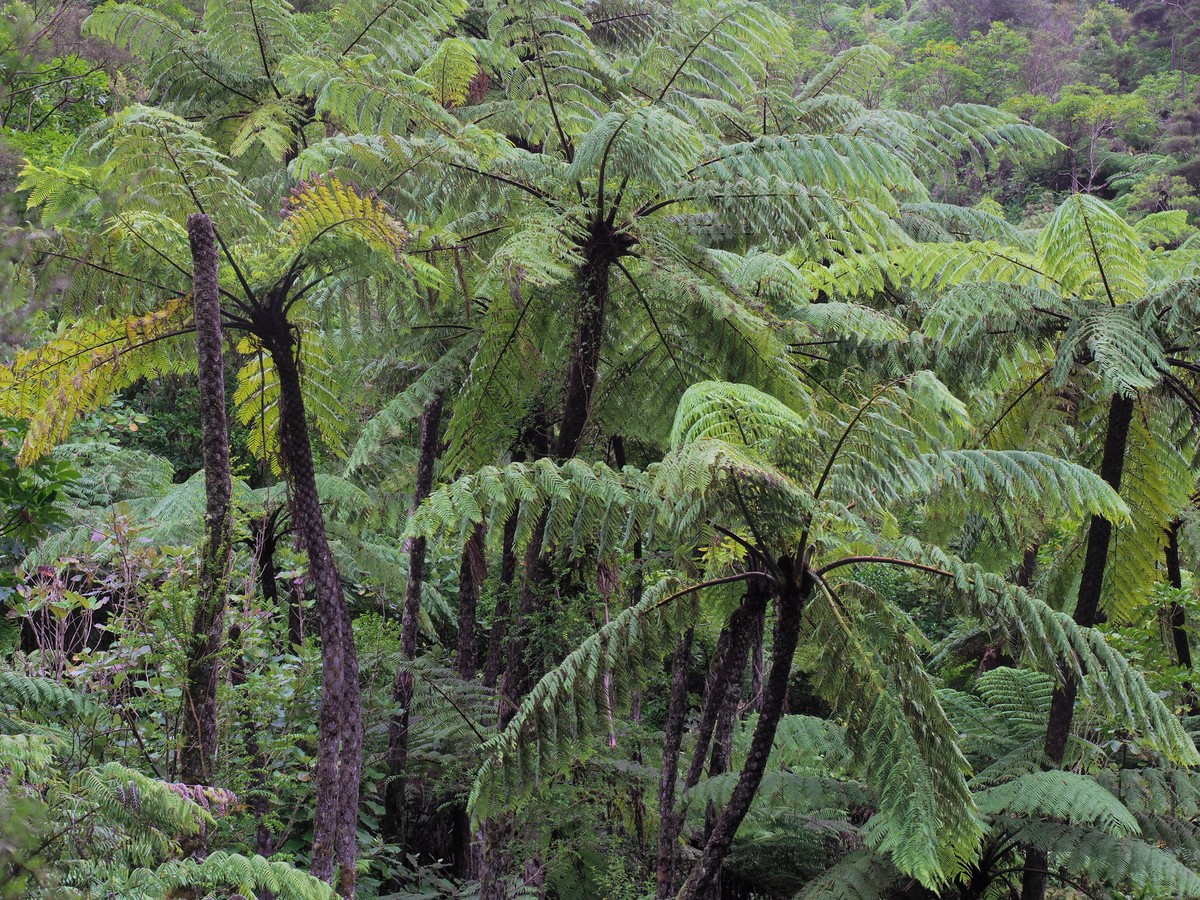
pixel 392 824
pixel 208 622
pixel 339 740
pixel 472 573
pixel 670 818
pixel 792 596
pixel 1087 608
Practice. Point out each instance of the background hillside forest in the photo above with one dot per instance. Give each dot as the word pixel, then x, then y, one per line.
pixel 610 449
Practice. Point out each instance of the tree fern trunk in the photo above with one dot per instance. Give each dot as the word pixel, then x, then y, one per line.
pixel 339 741
pixel 1087 609
pixel 472 573
pixel 671 820
pixel 787 634
pixel 392 824
pixel 585 349
pixel 497 638
pixel 200 692
pixel 1175 614
pixel 730 657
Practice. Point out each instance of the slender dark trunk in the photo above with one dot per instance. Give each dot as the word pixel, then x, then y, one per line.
pixel 295 611
pixel 208 621
pixel 757 637
pixel 1176 615
pixel 339 741
pixel 724 676
pixel 585 349
pixel 1087 609
pixel 791 600
pixel 392 823
pixel 497 639
pixel 471 575
pixel 534 582
pixel 671 819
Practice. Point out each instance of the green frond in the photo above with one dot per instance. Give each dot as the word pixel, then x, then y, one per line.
pixel 1063 796
pixel 256 398
pixel 250 876
pixel 1092 252
pixel 449 71
pixel 24 757
pixel 43 697
pixel 1155 789
pixel 1117 861
pixel 398 32
pixel 561 93
pixel 734 413
pixel 142 805
pixel 1156 484
pixel 719 52
pixel 865 663
pixel 83 366
pixel 164 164
pixel 1051 639
pixel 327 207
pixel 363 101
pixel 859 875
pixel 587 507
pixel 853 71
pixel 271 126
pixel 816 796
pixel 1026 477
pixel 551 728
pixel 646 145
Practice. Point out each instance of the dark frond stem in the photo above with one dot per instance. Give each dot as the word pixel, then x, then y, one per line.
pixel 208 619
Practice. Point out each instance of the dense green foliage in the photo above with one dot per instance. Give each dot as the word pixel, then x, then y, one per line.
pixel 676 448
